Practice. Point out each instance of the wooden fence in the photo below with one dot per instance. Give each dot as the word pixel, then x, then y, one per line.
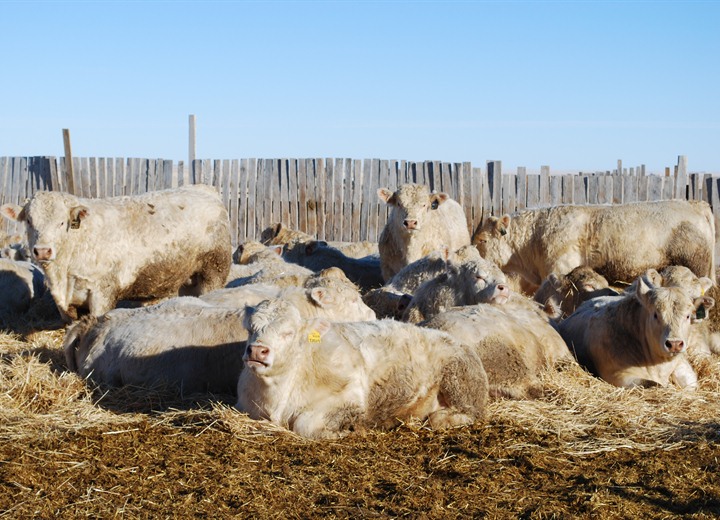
pixel 336 199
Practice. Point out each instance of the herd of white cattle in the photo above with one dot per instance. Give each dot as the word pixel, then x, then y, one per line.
pixel 326 338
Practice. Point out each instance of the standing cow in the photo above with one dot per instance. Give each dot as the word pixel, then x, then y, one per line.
pixel 322 379
pixel 97 251
pixel 419 223
pixel 638 339
pixel 619 242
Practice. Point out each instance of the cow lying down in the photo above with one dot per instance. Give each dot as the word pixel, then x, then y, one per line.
pixel 186 342
pixel 637 339
pixel 322 379
pixel 515 342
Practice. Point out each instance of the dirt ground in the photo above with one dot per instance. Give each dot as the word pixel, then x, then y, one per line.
pixel 583 449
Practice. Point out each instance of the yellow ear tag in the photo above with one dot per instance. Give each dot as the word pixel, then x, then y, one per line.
pixel 314 336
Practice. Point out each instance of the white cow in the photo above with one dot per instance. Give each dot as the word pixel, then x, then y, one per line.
pixel 619 242
pixel 419 223
pixel 97 251
pixel 191 344
pixel 638 339
pixel 515 342
pixel 322 379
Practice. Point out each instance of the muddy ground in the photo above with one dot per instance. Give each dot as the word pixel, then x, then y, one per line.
pixel 583 449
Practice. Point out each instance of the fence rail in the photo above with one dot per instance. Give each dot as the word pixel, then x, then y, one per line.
pixel 335 199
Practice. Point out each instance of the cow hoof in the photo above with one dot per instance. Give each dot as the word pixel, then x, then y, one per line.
pixel 448 419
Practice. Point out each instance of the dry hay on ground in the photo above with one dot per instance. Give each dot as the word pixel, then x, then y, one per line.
pixel 582 449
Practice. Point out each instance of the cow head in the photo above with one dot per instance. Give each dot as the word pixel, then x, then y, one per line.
pixel 491 239
pixel 49 218
pixel 487 283
pixel 272 326
pixel 412 205
pixel 562 294
pixel 668 313
pixel 342 303
pixel 331 293
pixel 681 276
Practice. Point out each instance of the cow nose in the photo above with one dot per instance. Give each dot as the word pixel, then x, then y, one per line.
pixel 675 345
pixel 503 289
pixel 42 253
pixel 258 352
pixel 410 224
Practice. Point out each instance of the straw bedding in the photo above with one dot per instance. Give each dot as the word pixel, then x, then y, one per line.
pixel 582 448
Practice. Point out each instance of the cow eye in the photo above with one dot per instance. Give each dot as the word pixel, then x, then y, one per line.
pixel 62 225
pixel 434 205
pixel 655 316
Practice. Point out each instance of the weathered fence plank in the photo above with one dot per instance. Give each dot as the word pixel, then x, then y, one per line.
pixel 336 199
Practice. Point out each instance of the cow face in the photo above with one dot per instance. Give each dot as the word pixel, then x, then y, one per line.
pixel 272 326
pixel 488 282
pixel 491 240
pixel 49 218
pixel 412 206
pixel 681 276
pixel 668 313
pixel 343 303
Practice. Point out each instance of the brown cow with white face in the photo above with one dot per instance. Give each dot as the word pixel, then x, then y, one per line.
pixel 322 379
pixel 638 339
pixel 419 223
pixel 97 251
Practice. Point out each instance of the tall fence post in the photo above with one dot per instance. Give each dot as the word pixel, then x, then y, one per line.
pixel 69 173
pixel 191 146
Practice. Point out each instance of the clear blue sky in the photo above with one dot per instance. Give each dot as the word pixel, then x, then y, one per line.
pixel 574 85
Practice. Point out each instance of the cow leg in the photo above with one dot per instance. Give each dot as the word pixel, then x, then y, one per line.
pixel 332 424
pixel 100 302
pixel 684 375
pixel 463 391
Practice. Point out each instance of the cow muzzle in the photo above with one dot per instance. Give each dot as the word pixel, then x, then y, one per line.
pixel 256 355
pixel 43 253
pixel 501 295
pixel 410 225
pixel 675 346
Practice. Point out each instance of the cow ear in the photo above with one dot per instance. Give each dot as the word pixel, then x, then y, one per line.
pixel 237 255
pixel 654 278
pixel 320 325
pixel 387 196
pixel 705 284
pixel 311 247
pixel 555 281
pixel 321 296
pixel 503 224
pixel 642 290
pixel 438 198
pixel 77 215
pixel 404 302
pixel 705 301
pixel 13 212
pixel 247 315
pixel 277 249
